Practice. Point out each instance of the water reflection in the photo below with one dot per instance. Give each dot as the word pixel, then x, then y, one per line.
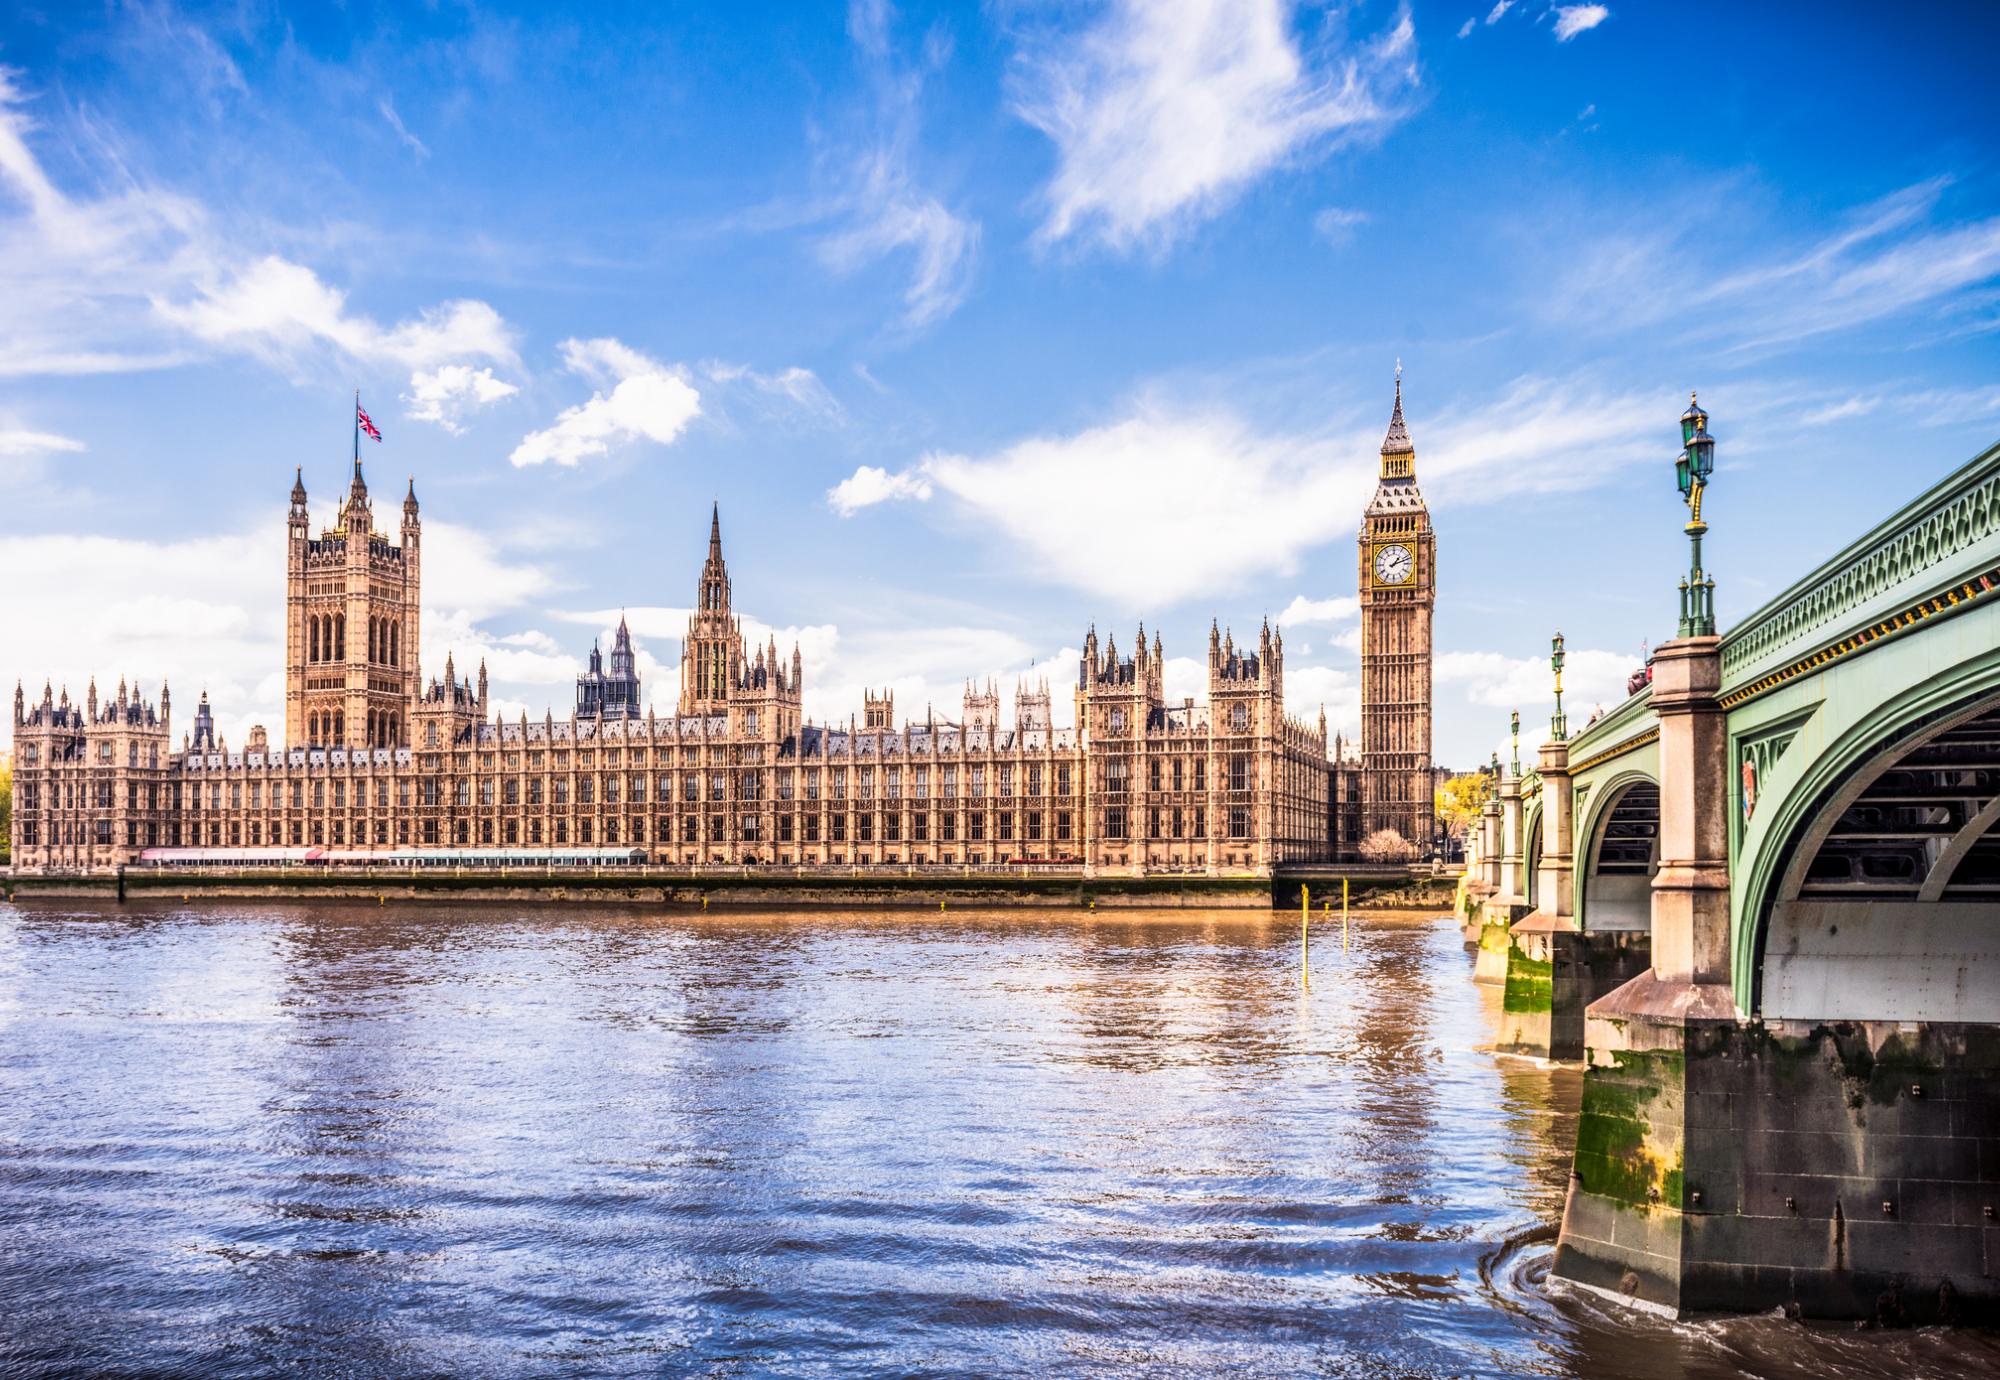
pixel 430 1140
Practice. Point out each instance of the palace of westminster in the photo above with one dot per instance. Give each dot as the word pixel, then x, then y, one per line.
pixel 375 762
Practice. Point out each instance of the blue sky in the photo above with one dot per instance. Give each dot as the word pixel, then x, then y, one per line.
pixel 982 323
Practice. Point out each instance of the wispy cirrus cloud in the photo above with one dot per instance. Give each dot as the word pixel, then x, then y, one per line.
pixel 128 275
pixel 1163 114
pixel 880 208
pixel 1884 260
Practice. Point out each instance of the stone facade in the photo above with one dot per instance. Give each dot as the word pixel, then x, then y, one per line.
pixel 1397 554
pixel 352 624
pixel 374 765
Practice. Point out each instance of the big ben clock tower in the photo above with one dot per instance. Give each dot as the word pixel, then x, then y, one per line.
pixel 1398 565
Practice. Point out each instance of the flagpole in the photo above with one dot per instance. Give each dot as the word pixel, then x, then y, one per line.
pixel 357 428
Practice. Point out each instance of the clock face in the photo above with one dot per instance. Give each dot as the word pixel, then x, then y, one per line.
pixel 1394 565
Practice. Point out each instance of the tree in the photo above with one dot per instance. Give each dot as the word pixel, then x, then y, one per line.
pixel 1387 846
pixel 1458 802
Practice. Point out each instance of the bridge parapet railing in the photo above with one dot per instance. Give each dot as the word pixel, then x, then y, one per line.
pixel 1622 727
pixel 1946 538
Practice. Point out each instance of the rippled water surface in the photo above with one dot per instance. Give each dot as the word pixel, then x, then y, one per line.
pixel 516 1141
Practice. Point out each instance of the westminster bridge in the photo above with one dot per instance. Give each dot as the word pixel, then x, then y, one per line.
pixel 1761 900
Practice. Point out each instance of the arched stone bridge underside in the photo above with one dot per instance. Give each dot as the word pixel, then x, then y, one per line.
pixel 1794 1093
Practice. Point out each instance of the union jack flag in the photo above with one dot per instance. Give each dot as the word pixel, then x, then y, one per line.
pixel 361 417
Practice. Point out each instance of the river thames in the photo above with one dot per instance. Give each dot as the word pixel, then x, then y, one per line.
pixel 452 1141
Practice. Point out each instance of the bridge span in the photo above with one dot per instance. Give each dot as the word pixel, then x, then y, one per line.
pixel 1761 900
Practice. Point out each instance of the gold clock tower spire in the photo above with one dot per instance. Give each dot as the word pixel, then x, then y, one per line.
pixel 1398 563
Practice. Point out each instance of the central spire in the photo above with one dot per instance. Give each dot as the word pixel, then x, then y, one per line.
pixel 715 532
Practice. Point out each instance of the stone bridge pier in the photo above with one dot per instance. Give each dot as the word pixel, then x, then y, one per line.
pixel 1795 1097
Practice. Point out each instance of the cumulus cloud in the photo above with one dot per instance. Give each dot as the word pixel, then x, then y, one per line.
pixel 1572 20
pixel 871 484
pixel 446 394
pixel 1162 114
pixel 277 309
pixel 1526 683
pixel 1175 499
pixel 1304 612
pixel 207 612
pixel 637 399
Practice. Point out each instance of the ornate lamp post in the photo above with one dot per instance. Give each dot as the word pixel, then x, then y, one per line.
pixel 1558 726
pixel 1692 468
pixel 1515 728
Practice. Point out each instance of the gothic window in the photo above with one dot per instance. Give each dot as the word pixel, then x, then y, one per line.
pixel 1239 822
pixel 1239 717
pixel 340 637
pixel 312 639
pixel 1117 720
pixel 1114 823
pixel 395 642
pixel 1239 772
pixel 339 726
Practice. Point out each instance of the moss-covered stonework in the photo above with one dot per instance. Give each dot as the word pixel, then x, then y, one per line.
pixel 1530 985
pixel 1734 1166
pixel 1553 974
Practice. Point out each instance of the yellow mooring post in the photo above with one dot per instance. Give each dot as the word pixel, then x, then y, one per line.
pixel 1305 934
pixel 1343 915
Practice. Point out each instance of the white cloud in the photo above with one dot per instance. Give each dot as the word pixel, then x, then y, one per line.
pixel 206 611
pixel 889 216
pixel 1307 688
pixel 1882 260
pixel 24 454
pixel 277 310
pixel 139 277
pixel 388 109
pixel 18 442
pixel 1176 500
pixel 1337 224
pixel 1465 29
pixel 1303 612
pixel 445 395
pixel 798 386
pixel 1500 8
pixel 1856 406
pixel 1163 113
pixel 1164 505
pixel 1526 683
pixel 870 485
pixel 1572 20
pixel 638 398
pixel 924 666
pixel 881 209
